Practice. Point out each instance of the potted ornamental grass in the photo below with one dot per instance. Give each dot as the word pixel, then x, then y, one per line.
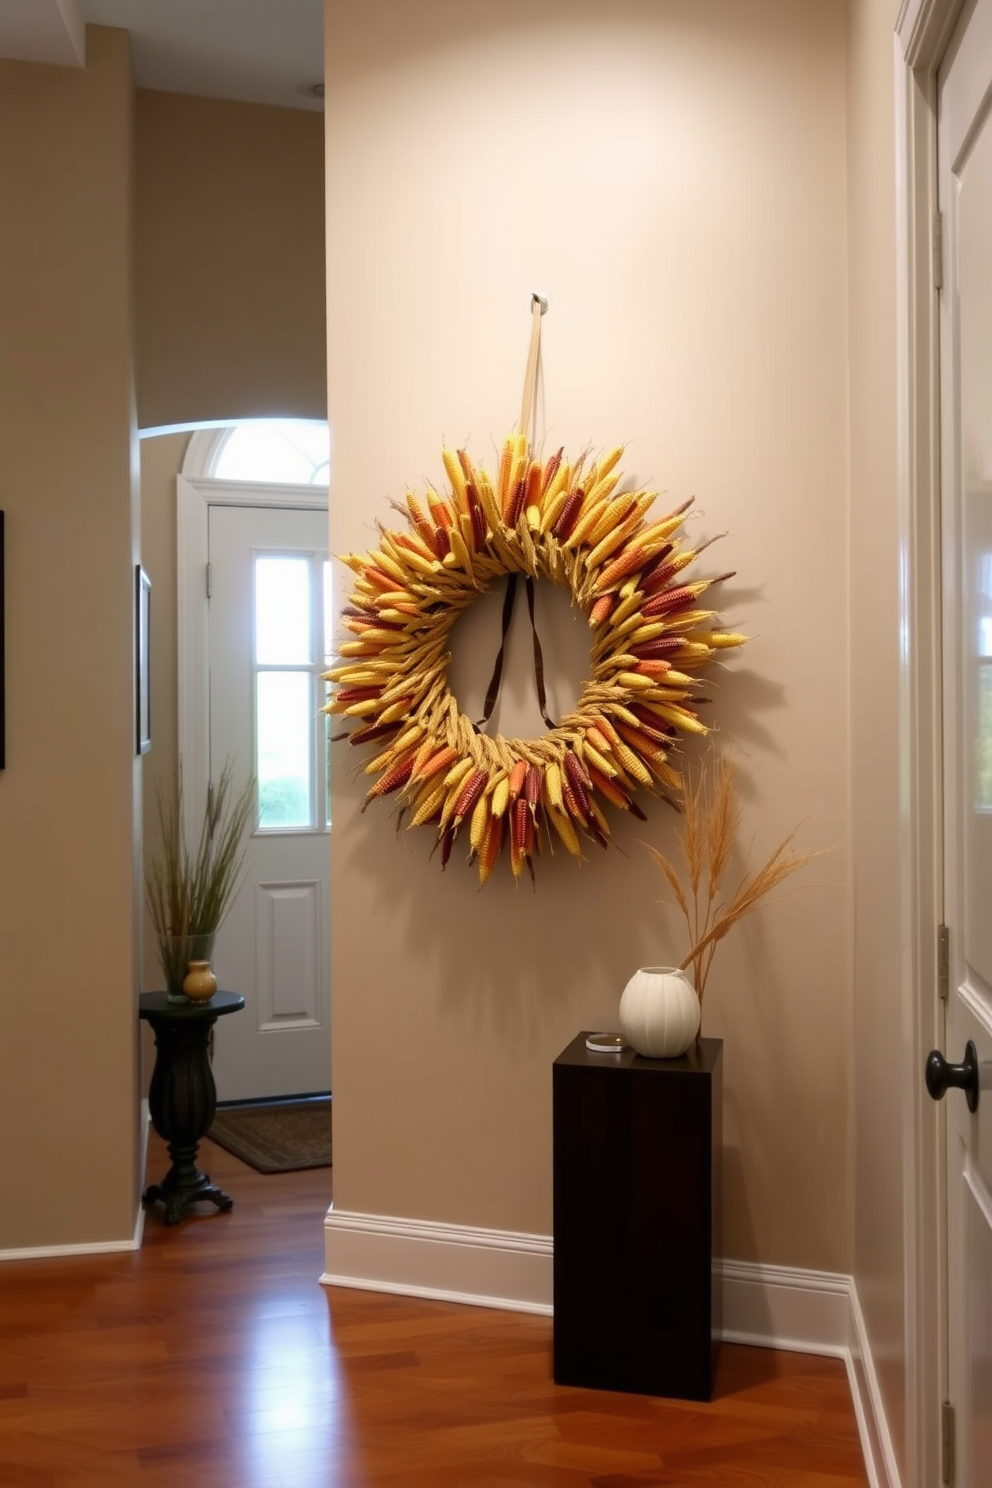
pixel 189 892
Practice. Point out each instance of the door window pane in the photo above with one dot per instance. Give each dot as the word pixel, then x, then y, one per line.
pixel 284 732
pixel 282 611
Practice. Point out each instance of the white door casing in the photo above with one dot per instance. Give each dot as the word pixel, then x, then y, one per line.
pixel 294 896
pixel 965 191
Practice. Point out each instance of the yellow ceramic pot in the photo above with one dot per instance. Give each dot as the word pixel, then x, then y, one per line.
pixel 199 984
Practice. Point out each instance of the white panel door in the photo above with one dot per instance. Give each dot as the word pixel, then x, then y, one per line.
pixel 268 571
pixel 965 162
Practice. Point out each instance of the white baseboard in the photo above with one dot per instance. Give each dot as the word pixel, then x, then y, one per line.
pixel 450 1263
pixel 812 1312
pixel 95 1247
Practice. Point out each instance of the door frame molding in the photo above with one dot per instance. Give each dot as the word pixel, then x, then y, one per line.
pixel 196 492
pixel 923 30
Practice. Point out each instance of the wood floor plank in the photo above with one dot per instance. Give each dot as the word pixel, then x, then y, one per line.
pixel 213 1359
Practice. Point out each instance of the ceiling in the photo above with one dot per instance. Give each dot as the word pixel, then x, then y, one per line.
pixel 257 51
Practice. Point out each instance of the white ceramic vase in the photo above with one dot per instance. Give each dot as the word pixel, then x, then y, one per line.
pixel 659 1012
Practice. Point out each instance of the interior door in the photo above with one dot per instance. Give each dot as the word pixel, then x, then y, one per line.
pixel 268 575
pixel 965 186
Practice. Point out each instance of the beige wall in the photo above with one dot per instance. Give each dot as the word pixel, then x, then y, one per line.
pixel 161 460
pixel 673 178
pixel 68 1031
pixel 229 261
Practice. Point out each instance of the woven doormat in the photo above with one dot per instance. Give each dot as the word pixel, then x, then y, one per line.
pixel 281 1137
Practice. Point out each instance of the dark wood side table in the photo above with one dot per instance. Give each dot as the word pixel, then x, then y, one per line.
pixel 637 1219
pixel 182 1098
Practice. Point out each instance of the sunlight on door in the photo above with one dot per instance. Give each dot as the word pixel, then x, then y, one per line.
pixel 292 602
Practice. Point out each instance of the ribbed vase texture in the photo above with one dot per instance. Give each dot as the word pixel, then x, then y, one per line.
pixel 659 1012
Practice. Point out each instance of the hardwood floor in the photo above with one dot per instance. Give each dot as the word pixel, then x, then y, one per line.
pixel 212 1359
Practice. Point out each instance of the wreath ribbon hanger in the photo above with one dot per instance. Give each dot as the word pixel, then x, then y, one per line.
pixel 528 411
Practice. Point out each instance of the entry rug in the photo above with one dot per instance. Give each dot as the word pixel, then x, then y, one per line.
pixel 277 1137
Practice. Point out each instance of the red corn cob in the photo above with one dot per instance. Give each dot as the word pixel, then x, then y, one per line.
pixel 471 791
pixel 575 770
pixel 519 821
pixel 660 646
pixel 651 583
pixel 356 694
pixel 373 731
pixel 532 790
pixel 670 600
pixel 569 514
pixel 573 805
pixel 515 503
pixel 447 842
pixel 551 469
pixel 391 781
pixel 657 562
pixel 478 517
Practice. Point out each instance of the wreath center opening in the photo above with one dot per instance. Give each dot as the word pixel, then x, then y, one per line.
pixel 474 644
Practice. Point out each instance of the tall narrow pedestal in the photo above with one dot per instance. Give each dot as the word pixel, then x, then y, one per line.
pixel 637 1219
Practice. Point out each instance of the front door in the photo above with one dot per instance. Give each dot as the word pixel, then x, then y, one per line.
pixel 965 187
pixel 267 645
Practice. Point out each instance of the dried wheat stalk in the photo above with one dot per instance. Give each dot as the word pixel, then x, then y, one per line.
pixel 710 822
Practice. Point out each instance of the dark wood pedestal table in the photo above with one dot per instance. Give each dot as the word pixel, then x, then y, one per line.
pixel 182 1098
pixel 637 1219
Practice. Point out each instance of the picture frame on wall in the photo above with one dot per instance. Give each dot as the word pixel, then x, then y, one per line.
pixel 142 652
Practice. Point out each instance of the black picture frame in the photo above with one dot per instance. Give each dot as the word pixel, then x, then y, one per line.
pixel 3 689
pixel 143 656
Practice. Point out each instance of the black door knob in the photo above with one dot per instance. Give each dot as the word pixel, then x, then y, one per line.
pixel 940 1075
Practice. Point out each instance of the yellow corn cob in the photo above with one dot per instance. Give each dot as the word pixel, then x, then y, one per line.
pixel 359 710
pixel 456 475
pixel 614 537
pixel 680 718
pixel 429 800
pixel 501 796
pixel 363 676
pixel 563 825
pixel 597 812
pixel 396 711
pixel 480 821
pixel 634 682
pixel 457 773
pixel 632 763
pixel 487 496
pixel 597 760
pixel 719 639
pixel 552 785
pixel 592 511
pixel 388 564
pixel 460 553
pixel 609 462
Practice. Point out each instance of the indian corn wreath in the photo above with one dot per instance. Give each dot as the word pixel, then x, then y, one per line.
pixel 624 567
